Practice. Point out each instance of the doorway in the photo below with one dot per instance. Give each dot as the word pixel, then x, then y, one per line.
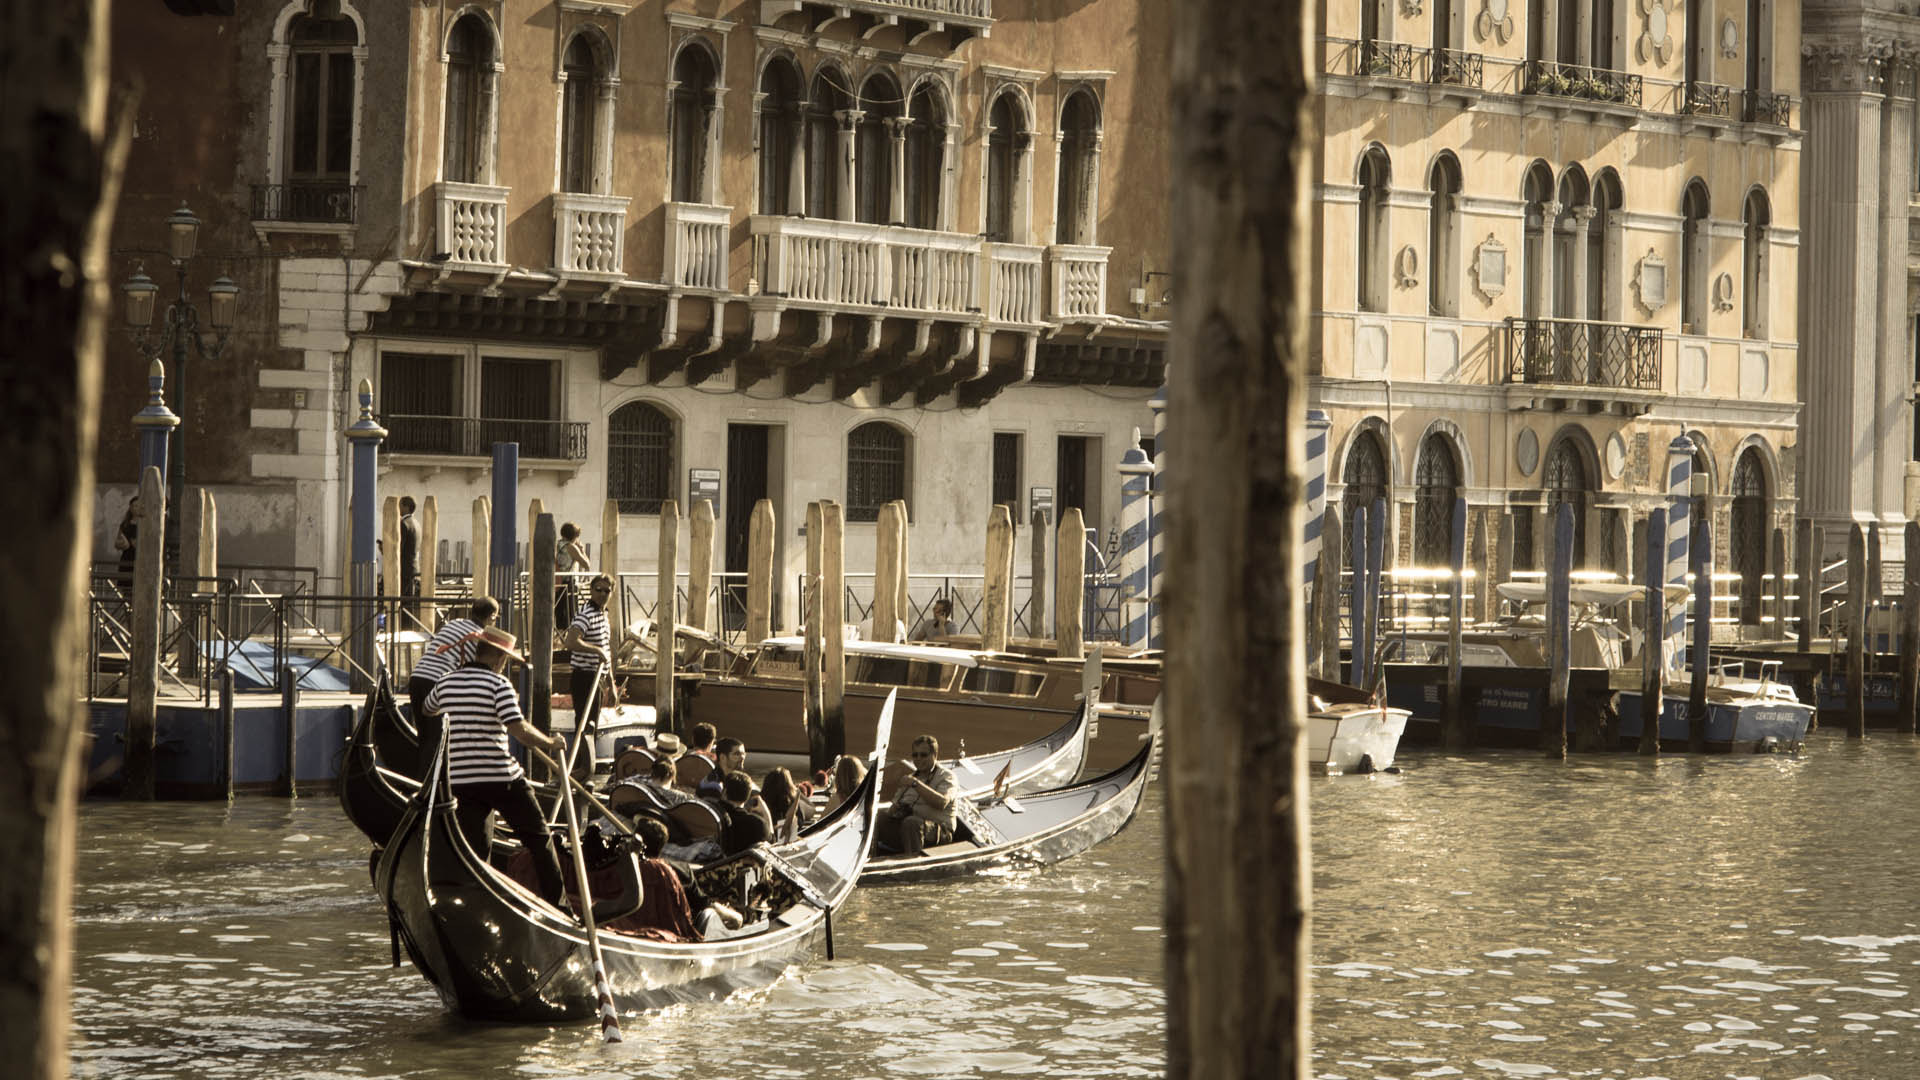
pixel 750 470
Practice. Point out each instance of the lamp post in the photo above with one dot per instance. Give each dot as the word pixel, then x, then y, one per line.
pixel 182 329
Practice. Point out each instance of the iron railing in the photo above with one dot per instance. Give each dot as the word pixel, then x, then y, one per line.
pixel 1583 353
pixel 1451 67
pixel 1766 107
pixel 1707 99
pixel 469 436
pixel 1385 59
pixel 325 202
pixel 1555 79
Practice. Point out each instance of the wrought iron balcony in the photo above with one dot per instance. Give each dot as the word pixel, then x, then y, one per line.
pixel 471 436
pixel 1384 59
pixel 1766 107
pixel 959 19
pixel 1583 353
pixel 314 202
pixel 1707 99
pixel 1451 67
pixel 1554 79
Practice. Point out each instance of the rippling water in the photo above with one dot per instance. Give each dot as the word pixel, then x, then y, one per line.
pixel 1475 917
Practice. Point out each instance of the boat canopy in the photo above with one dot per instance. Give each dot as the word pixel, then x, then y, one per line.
pixel 932 654
pixel 1603 594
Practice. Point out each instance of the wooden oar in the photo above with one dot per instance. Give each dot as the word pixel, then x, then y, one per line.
pixel 609 1016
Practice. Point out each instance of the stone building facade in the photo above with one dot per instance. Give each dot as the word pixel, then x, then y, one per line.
pixel 1556 236
pixel 762 248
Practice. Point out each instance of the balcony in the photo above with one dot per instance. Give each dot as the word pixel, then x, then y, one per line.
pixel 1766 107
pixel 1014 273
pixel 589 235
pixel 1582 353
pixel 845 264
pixel 308 202
pixel 958 19
pixel 696 245
pixel 1576 82
pixel 1384 59
pixel 472 224
pixel 1451 67
pixel 1706 99
pixel 468 436
pixel 1079 276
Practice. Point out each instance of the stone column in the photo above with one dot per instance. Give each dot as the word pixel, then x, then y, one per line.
pixel 797 164
pixel 710 168
pixel 896 213
pixel 843 178
pixel 1893 438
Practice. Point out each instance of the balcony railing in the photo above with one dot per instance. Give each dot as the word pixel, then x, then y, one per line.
pixel 1583 353
pixel 967 16
pixel 1079 280
pixel 1013 284
pixel 1707 99
pixel 472 223
pixel 1554 79
pixel 318 202
pixel 1766 107
pixel 851 264
pixel 1451 67
pixel 589 234
pixel 1384 59
pixel 696 251
pixel 469 436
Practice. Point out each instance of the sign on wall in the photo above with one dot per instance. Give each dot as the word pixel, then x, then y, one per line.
pixel 1040 501
pixel 704 484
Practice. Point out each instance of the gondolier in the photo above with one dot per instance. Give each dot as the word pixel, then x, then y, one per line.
pixel 450 648
pixel 589 645
pixel 482 710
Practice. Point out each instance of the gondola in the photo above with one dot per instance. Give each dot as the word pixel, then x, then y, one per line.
pixel 1030 830
pixel 497 952
pixel 373 796
pixel 1047 762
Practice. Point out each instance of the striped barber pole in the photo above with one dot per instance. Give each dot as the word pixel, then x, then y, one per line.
pixel 1679 505
pixel 1155 508
pixel 1318 425
pixel 1137 540
pixel 609 1016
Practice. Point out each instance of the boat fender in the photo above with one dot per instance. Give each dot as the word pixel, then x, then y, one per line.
pixel 1768 745
pixel 1392 770
pixel 1365 766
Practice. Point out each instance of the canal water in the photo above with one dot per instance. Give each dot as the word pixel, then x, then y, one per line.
pixel 1491 916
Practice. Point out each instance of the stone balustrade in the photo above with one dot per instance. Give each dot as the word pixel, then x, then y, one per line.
pixel 697 245
pixel 471 221
pixel 589 234
pixel 1079 276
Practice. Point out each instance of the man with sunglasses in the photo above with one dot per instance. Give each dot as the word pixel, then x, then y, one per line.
pixel 589 645
pixel 922 812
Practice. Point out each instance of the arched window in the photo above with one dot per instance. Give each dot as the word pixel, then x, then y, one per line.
pixel 876 469
pixel 1755 218
pixel 468 150
pixel 927 119
pixel 1569 240
pixel 640 468
pixel 1375 177
pixel 1567 484
pixel 1694 258
pixel 1759 40
pixel 1436 488
pixel 1750 534
pixel 581 169
pixel 1535 280
pixel 321 108
pixel 1699 482
pixel 827 105
pixel 1075 216
pixel 1365 477
pixel 874 136
pixel 690 121
pixel 781 120
pixel 1601 29
pixel 1008 144
pixel 1606 289
pixel 1443 238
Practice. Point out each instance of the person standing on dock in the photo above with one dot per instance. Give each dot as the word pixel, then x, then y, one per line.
pixel 409 557
pixel 450 648
pixel 589 645
pixel 569 558
pixel 482 710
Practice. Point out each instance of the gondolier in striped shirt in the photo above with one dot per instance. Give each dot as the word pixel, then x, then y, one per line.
pixel 450 648
pixel 589 645
pixel 482 710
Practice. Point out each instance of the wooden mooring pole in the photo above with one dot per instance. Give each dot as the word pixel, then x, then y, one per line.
pixel 1807 584
pixel 814 635
pixel 1037 625
pixel 1654 621
pixel 1070 584
pixel 1357 600
pixel 833 618
pixel 540 631
pixel 1553 732
pixel 289 784
pixel 996 611
pixel 143 656
pixel 1857 633
pixel 1910 633
pixel 666 619
pixel 760 573
pixel 1702 552
pixel 1453 733
pixel 700 567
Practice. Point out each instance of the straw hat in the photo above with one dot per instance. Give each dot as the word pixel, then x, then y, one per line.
pixel 667 745
pixel 499 639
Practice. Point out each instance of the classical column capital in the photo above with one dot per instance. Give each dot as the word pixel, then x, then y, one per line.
pixel 1846 66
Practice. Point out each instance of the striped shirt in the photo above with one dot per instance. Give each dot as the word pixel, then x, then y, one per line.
pixel 434 664
pixel 480 705
pixel 592 624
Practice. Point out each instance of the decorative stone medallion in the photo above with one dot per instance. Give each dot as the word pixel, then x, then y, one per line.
pixel 1729 39
pixel 1651 282
pixel 1406 268
pixel 1656 42
pixel 1616 456
pixel 1490 268
pixel 1723 292
pixel 1526 451
pixel 1495 21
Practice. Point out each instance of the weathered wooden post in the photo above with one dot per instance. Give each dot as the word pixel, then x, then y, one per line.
pixel 364 436
pixel 1857 633
pixel 1702 659
pixel 1910 634
pixel 1653 666
pixel 1502 566
pixel 1379 612
pixel 540 631
pixel 1037 625
pixel 224 780
pixel 666 618
pixel 207 539
pixel 504 547
pixel 700 614
pixel 1875 569
pixel 1777 563
pixel 1553 734
pixel 997 608
pixel 1069 584
pixel 610 542
pixel 1326 591
pixel 1357 598
pixel 900 601
pixel 886 573
pixel 760 572
pixel 143 657
pixel 1453 734
pixel 833 618
pixel 430 561
pixel 535 507
pixel 387 553
pixel 1807 585
pixel 482 578
pixel 289 782
pixel 814 634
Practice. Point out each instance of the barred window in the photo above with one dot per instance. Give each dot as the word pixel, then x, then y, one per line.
pixel 1437 482
pixel 1566 484
pixel 1365 477
pixel 518 405
pixel 876 469
pixel 420 393
pixel 639 458
pixel 320 132
pixel 1006 471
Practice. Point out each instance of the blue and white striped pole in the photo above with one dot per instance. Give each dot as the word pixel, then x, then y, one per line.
pixel 1155 514
pixel 1136 543
pixel 1679 523
pixel 1318 425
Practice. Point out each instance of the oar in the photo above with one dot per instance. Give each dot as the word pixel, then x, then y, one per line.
pixel 609 1017
pixel 579 734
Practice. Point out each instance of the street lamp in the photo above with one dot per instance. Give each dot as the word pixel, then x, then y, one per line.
pixel 182 327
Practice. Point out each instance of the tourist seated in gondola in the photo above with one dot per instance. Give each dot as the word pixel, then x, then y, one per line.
pixel 739 799
pixel 922 812
pixel 730 755
pixel 786 803
pixel 664 913
pixel 848 773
